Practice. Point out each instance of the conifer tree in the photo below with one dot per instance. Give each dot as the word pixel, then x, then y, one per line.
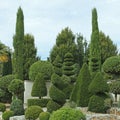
pixel 29 54
pixel 80 93
pixel 39 87
pixel 95 52
pixel 18 41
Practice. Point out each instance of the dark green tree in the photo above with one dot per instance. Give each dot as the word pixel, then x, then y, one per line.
pixel 29 54
pixel 95 48
pixel 111 66
pixel 80 93
pixel 98 88
pixel 108 48
pixel 7 66
pixel 65 42
pixel 18 44
pixel 39 87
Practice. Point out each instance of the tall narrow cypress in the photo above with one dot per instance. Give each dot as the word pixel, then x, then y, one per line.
pixel 95 52
pixel 18 41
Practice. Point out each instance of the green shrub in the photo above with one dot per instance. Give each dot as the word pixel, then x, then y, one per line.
pixel 39 88
pixel 2 107
pixel 7 114
pixel 67 113
pixel 16 87
pixel 39 102
pixel 96 104
pixel 17 107
pixel 32 112
pixel 4 83
pixel 52 106
pixel 57 95
pixel 43 67
pixel 70 104
pixel 44 116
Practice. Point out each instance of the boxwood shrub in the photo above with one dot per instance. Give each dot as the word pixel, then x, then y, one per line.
pixel 67 113
pixel 32 112
pixel 52 106
pixel 44 116
pixel 7 114
pixel 17 107
pixel 39 102
pixel 96 104
pixel 2 107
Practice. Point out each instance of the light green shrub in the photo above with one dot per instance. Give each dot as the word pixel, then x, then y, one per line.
pixel 44 116
pixel 7 114
pixel 2 107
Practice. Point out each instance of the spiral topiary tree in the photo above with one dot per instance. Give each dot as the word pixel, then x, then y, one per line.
pixel 55 92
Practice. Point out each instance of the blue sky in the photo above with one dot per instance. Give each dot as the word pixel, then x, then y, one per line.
pixel 44 19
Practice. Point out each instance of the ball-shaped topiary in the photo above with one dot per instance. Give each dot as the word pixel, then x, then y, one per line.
pixel 43 67
pixel 67 114
pixel 44 116
pixel 2 107
pixel 96 104
pixel 32 112
pixel 7 114
pixel 16 87
pixel 17 107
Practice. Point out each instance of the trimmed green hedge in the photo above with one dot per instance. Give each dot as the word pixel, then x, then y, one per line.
pixel 39 102
pixel 52 106
pixel 67 113
pixel 57 95
pixel 96 104
pixel 32 112
pixel 44 116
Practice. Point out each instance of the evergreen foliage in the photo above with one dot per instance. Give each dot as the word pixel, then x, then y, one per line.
pixel 17 107
pixel 52 106
pixel 112 66
pixel 67 113
pixel 108 48
pixel 95 48
pixel 96 104
pixel 32 112
pixel 7 66
pixel 39 87
pixel 7 114
pixel 18 43
pixel 68 68
pixel 57 95
pixel 43 67
pixel 30 53
pixel 98 84
pixel 80 93
pixel 16 87
pixel 44 116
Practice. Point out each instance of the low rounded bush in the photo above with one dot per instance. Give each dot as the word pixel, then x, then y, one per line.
pixel 52 106
pixel 39 102
pixel 2 107
pixel 17 107
pixel 67 113
pixel 7 114
pixel 44 116
pixel 96 104
pixel 32 112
